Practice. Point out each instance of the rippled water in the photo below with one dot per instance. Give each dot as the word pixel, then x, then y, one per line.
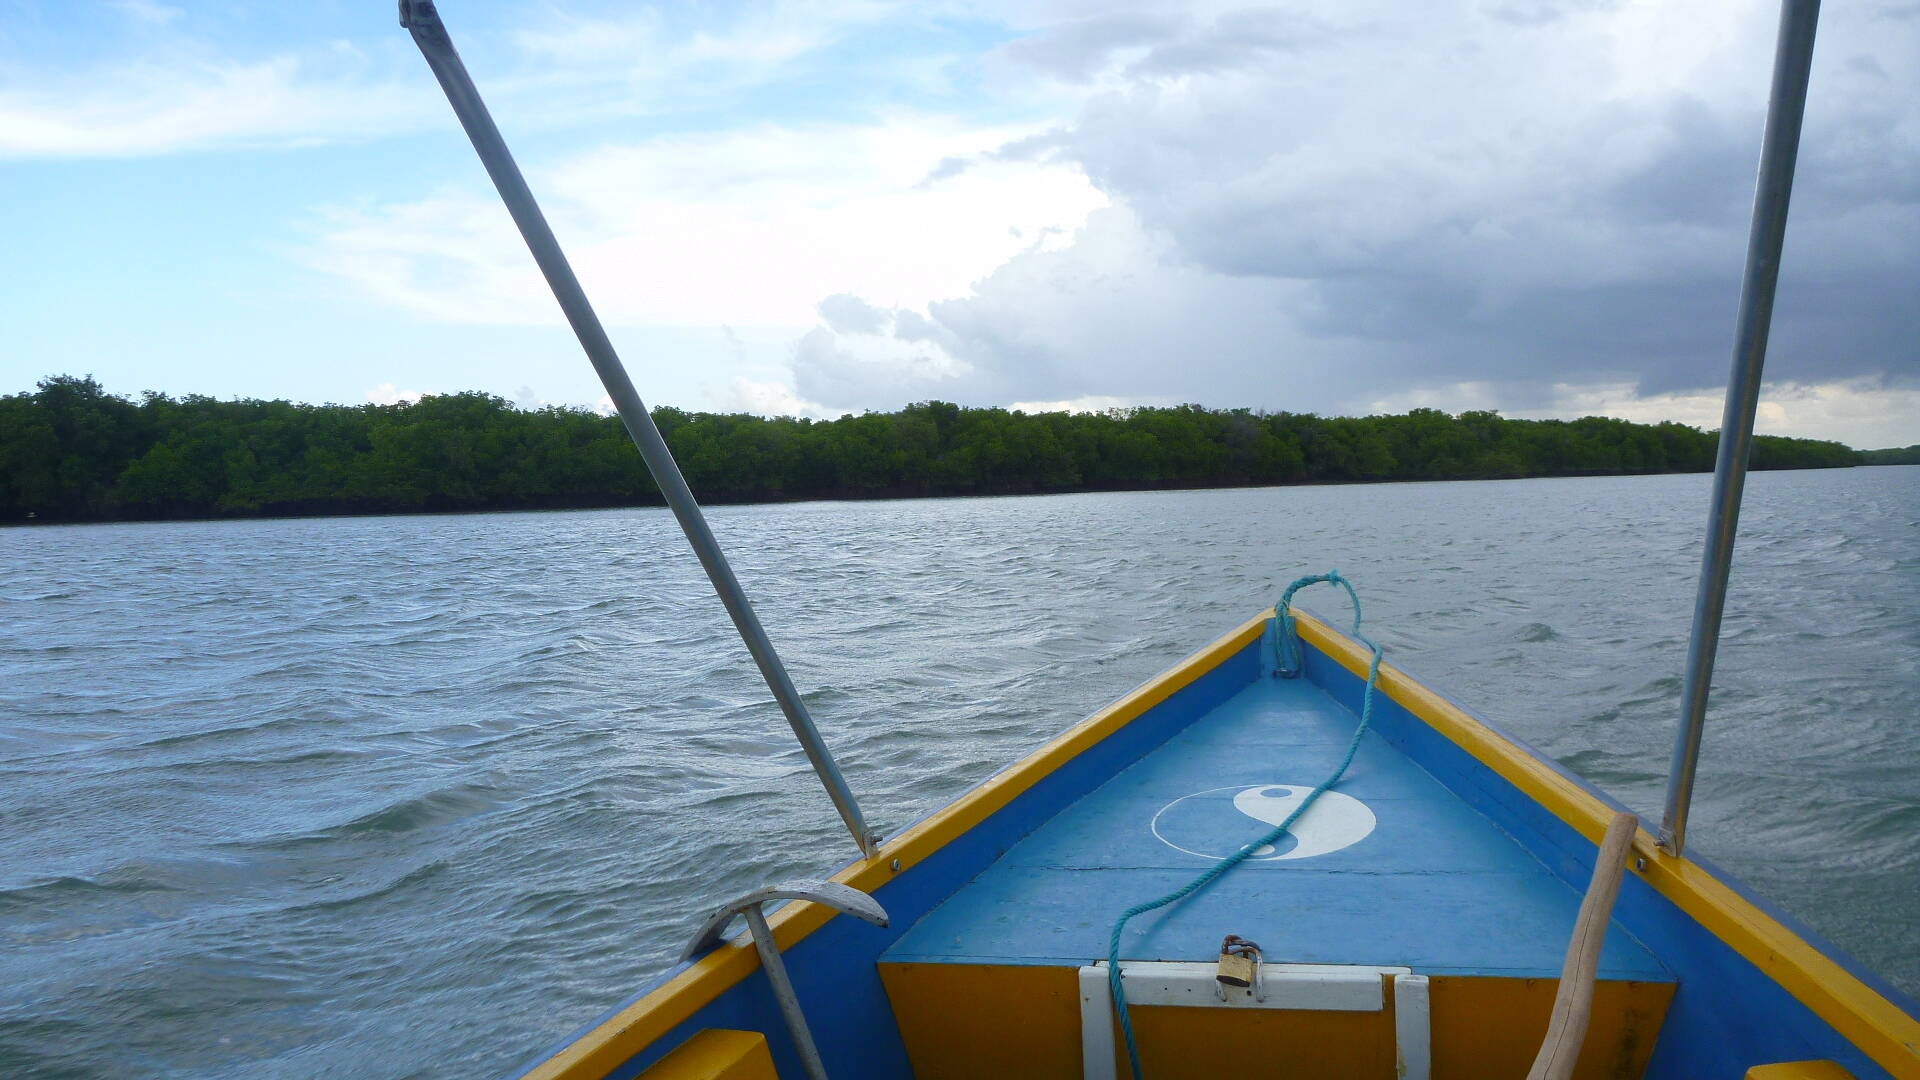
pixel 415 796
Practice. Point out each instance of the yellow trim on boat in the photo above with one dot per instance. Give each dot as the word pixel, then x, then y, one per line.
pixel 1799 1070
pixel 1861 1015
pixel 717 1054
pixel 635 1027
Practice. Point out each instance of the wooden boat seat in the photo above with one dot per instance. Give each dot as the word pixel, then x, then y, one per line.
pixel 717 1054
pixel 987 982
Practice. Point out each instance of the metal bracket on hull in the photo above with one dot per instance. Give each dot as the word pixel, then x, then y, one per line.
pixel 839 897
pixel 831 893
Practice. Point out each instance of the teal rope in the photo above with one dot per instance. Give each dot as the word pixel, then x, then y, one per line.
pixel 1290 661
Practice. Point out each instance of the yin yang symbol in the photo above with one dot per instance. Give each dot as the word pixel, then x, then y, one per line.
pixel 1215 823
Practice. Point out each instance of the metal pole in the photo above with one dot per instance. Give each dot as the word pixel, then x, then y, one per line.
pixel 420 18
pixel 1793 57
pixel 789 1002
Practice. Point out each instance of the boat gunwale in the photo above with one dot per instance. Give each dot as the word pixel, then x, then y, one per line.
pixel 1871 1018
pixel 1864 1015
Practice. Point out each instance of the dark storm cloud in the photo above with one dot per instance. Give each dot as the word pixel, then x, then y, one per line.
pixel 1704 176
pixel 1308 209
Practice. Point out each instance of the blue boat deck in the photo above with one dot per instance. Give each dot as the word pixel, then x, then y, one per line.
pixel 1390 869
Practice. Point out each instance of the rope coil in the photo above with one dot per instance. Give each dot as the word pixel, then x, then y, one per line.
pixel 1290 660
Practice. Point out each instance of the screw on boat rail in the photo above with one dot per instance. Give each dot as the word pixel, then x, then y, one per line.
pixel 430 34
pixel 1779 146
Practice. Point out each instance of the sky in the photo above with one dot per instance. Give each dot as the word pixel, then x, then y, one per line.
pixel 826 206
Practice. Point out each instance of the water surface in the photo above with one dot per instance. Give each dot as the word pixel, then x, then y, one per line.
pixel 417 796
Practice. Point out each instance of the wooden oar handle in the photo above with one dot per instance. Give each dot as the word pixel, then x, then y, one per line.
pixel 1573 1004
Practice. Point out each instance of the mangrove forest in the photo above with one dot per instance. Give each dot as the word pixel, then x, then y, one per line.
pixel 70 451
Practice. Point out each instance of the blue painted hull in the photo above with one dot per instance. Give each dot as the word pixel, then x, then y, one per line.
pixel 992 893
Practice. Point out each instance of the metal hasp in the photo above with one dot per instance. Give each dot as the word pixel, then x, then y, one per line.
pixel 832 894
pixel 420 18
pixel 1792 59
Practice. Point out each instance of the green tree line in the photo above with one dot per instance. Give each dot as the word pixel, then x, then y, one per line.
pixel 1893 455
pixel 70 451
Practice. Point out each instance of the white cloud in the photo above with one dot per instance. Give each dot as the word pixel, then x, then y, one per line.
pixel 1107 313
pixel 163 90
pixel 179 101
pixel 1092 403
pixel 769 399
pixel 1863 413
pixel 1469 396
pixel 148 12
pixel 389 394
pixel 652 45
pixel 525 397
pixel 850 372
pixel 845 313
pixel 747 228
pixel 451 257
pixel 1866 414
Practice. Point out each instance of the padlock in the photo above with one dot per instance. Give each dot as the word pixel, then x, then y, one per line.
pixel 1235 969
pixel 1239 961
